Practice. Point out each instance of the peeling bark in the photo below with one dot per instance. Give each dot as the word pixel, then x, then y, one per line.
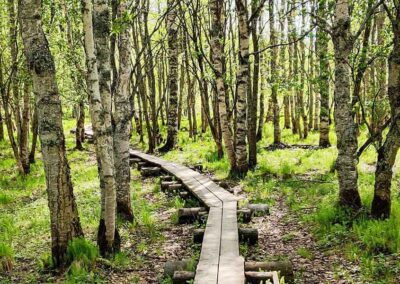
pixel 381 204
pixel 122 121
pixel 173 50
pixel 65 224
pixel 96 29
pixel 346 132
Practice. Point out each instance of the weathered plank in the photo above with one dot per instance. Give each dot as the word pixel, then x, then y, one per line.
pixel 207 268
pixel 231 264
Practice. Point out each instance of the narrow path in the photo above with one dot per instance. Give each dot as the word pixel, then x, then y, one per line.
pixel 220 261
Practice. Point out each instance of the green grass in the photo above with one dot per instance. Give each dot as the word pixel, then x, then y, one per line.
pixel 303 177
pixel 304 252
pixel 6 257
pixel 307 180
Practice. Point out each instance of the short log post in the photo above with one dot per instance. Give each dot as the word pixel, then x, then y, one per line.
pixel 256 277
pixel 141 165
pixel 165 178
pixel 248 235
pixel 133 161
pixel 177 265
pixel 203 217
pixel 189 215
pixel 198 167
pixel 285 268
pixel 166 184
pixel 150 171
pixel 245 215
pixel 182 277
pixel 259 210
pixel 175 187
pixel 184 194
pixel 198 235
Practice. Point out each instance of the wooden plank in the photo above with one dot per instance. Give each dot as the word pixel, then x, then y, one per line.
pixel 231 264
pixel 207 268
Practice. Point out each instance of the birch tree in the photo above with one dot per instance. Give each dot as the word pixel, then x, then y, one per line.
pixel 122 119
pixel 98 70
pixel 64 218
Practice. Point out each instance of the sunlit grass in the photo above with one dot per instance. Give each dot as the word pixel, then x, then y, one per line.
pixel 303 177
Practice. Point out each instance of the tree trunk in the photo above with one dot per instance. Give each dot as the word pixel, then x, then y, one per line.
pixel 5 96
pixel 292 71
pixel 180 100
pixel 173 49
pixel 381 203
pixel 253 90
pixel 24 141
pixel 149 67
pixel 242 81
pixel 1 125
pixel 322 53
pixel 311 89
pixel 35 129
pixel 65 224
pixel 122 121
pixel 273 76
pixel 80 126
pixel 98 82
pixel 346 163
pixel 262 96
pixel 14 68
pixel 217 58
pixel 303 73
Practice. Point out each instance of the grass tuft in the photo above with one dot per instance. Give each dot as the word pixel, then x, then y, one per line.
pixel 82 251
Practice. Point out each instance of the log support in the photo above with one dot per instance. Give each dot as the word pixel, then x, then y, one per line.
pixel 190 215
pixel 285 268
pixel 248 235
pixel 133 161
pixel 166 178
pixel 256 277
pixel 198 235
pixel 245 215
pixel 182 277
pixel 150 171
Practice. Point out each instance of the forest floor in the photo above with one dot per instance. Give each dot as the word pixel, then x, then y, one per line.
pixel 324 244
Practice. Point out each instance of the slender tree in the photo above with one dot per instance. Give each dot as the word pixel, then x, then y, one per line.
pixel 217 59
pixel 65 224
pixel 122 119
pixel 346 163
pixel 381 204
pixel 323 78
pixel 273 75
pixel 98 70
pixel 242 84
pixel 173 51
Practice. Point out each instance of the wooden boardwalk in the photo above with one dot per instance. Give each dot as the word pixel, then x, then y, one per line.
pixel 220 261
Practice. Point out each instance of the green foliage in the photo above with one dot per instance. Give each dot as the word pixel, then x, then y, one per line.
pixel 379 236
pixel 45 262
pixel 82 251
pixel 6 257
pixel 121 260
pixel 304 252
pixel 286 170
pixel 78 273
pixel 5 198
